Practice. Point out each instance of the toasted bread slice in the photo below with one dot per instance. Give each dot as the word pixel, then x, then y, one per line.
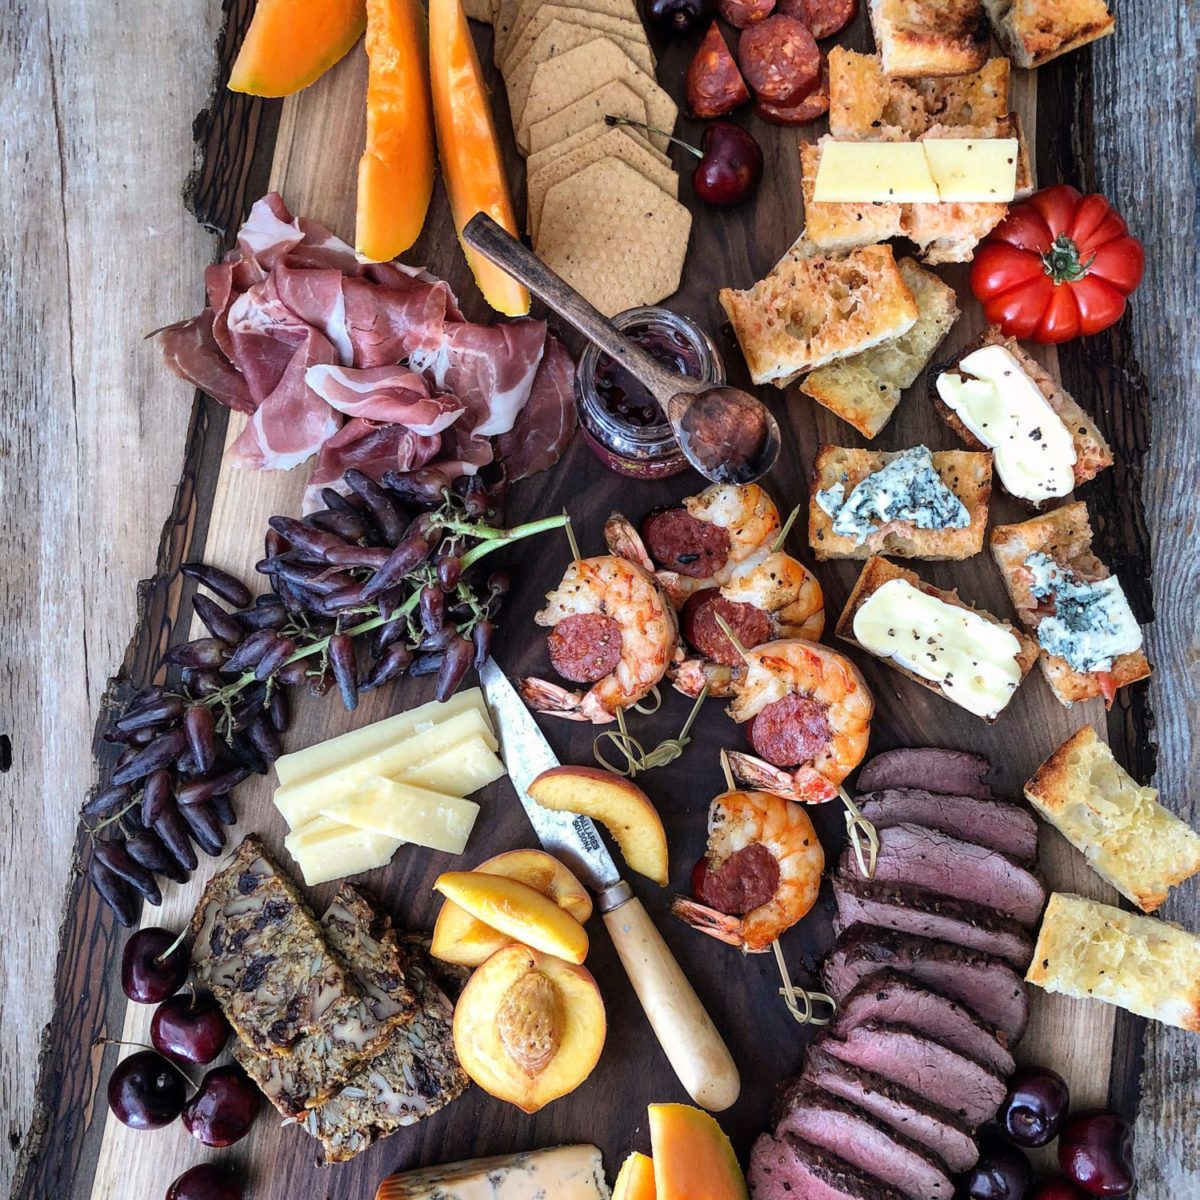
pixel 949 233
pixel 1127 837
pixel 1035 31
pixel 1097 952
pixel 813 309
pixel 1065 535
pixel 967 474
pixel 879 571
pixel 919 38
pixel 865 389
pixel 842 226
pixel 1092 453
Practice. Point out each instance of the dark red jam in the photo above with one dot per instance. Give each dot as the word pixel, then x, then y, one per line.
pixel 627 399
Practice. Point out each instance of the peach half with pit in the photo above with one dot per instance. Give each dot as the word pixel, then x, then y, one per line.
pixel 619 805
pixel 461 938
pixel 528 1027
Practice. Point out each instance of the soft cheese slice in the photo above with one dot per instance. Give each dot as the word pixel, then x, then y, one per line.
pixel 973 660
pixel 409 814
pixel 370 739
pixel 564 1173
pixel 884 172
pixel 325 849
pixel 1004 408
pixel 299 802
pixel 973 170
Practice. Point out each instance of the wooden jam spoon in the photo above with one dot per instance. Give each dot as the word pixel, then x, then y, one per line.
pixel 725 433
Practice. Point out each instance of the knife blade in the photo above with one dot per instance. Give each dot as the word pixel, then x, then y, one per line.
pixel 690 1040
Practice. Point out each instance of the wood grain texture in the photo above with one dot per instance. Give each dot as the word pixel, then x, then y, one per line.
pixel 318 140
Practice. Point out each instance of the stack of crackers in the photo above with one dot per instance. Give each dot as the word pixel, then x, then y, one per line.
pixel 603 206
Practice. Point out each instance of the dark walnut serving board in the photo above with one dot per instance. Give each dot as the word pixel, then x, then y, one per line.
pixel 307 147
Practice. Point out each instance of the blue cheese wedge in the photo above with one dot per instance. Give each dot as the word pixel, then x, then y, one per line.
pixel 1005 409
pixel 908 489
pixel 1091 623
pixel 564 1173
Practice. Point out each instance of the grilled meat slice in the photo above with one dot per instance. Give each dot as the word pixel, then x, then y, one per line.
pixel 787 1169
pixel 954 772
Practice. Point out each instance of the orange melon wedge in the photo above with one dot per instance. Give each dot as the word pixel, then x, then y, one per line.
pixel 693 1159
pixel 635 1179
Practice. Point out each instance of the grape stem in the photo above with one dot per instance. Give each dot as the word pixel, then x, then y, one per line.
pixel 491 539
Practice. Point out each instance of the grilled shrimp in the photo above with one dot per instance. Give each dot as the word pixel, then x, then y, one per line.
pixel 760 874
pixel 809 712
pixel 612 628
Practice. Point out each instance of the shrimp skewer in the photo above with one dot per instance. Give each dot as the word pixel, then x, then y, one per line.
pixel 612 628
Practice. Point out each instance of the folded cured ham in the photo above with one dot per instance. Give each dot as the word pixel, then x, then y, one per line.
pixel 369 365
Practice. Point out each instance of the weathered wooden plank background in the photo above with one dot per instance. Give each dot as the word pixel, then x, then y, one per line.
pixel 97 250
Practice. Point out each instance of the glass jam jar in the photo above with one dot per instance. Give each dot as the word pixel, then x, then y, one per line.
pixel 621 420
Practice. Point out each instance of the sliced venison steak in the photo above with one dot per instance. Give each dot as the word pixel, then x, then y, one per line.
pixel 996 824
pixel 939 1131
pixel 899 1000
pixel 987 985
pixel 954 772
pixel 829 1123
pixel 787 1169
pixel 929 859
pixel 968 1089
pixel 914 910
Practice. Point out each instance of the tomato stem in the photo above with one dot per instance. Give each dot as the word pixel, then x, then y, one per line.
pixel 1062 263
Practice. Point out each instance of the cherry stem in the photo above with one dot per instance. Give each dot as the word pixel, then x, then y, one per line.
pixel 112 1041
pixel 612 120
pixel 162 958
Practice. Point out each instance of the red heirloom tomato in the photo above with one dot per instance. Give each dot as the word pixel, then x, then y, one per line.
pixel 1060 264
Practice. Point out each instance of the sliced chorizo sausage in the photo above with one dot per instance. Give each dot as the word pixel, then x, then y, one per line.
pixel 791 731
pixel 751 626
pixel 744 13
pixel 780 60
pixel 585 647
pixel 714 84
pixel 809 108
pixel 746 880
pixel 677 541
pixel 823 17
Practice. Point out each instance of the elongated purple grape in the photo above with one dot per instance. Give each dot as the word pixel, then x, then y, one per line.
pixel 158 794
pixel 305 537
pixel 344 668
pixel 203 652
pixel 231 589
pixel 157 712
pixel 276 655
pixel 391 664
pixel 372 557
pixel 425 486
pixel 385 636
pixel 481 640
pixel 148 850
pixel 201 681
pixel 121 863
pixel 250 651
pixel 264 739
pixel 389 600
pixel 340 502
pixel 274 544
pixel 475 497
pixel 152 691
pixel 201 729
pixel 348 597
pixel 292 673
pixel 279 710
pixel 165 749
pixel 440 640
pixel 218 621
pixel 316 577
pixel 106 801
pixel 131 821
pixel 203 825
pixel 407 556
pixel 245 753
pixel 320 685
pixel 143 737
pixel 349 526
pixel 223 809
pixel 289 596
pixel 263 616
pixel 499 582
pixel 455 664
pixel 171 828
pixel 245 712
pixel 383 508
pixel 427 663
pixel 268 565
pixel 433 608
pixel 449 572
pixel 200 791
pixel 114 891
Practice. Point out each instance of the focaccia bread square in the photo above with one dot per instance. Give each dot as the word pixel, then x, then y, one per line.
pixel 1035 31
pixel 1125 834
pixel 842 225
pixel 815 308
pixel 919 38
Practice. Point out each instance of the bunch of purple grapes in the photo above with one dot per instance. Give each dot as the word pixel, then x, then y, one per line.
pixel 375 585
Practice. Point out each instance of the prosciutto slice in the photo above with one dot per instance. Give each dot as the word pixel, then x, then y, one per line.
pixel 387 395
pixel 373 449
pixel 546 424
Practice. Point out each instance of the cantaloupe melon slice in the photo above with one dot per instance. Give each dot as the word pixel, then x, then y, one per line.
pixel 693 1159
pixel 635 1180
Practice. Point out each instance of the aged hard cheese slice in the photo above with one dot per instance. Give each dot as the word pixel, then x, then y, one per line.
pixel 973 170
pixel 370 739
pixel 407 813
pixel 564 1173
pixel 458 770
pixel 325 849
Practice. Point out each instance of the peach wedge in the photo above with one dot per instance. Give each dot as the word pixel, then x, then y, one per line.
pixel 460 938
pixel 529 1028
pixel 516 910
pixel 619 805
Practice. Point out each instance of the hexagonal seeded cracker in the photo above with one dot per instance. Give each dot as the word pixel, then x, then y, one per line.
pixel 629 28
pixel 616 97
pixel 613 143
pixel 615 236
pixel 536 161
pixel 563 80
pixel 526 10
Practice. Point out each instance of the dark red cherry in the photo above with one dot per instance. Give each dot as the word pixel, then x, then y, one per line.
pixel 730 167
pixel 1002 1173
pixel 1035 1107
pixel 1058 1189
pixel 145 1091
pixel 223 1108
pixel 153 967
pixel 208 1181
pixel 189 1028
pixel 1095 1149
pixel 679 16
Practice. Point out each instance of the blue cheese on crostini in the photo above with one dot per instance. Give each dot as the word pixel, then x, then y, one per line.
pixel 908 489
pixel 974 661
pixel 1092 622
pixel 1005 409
